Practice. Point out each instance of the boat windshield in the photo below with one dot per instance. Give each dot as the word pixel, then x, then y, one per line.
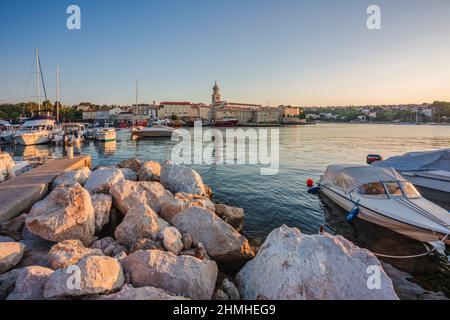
pixel 409 190
pixel 372 190
pixel 394 189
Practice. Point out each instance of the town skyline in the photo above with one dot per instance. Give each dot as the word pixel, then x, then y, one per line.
pixel 298 53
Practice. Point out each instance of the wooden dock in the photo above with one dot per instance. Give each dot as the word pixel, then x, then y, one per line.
pixel 19 194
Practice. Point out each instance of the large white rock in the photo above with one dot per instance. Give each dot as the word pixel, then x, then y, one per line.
pixel 30 283
pixel 102 204
pixel 127 194
pixel 69 252
pixel 66 213
pixel 128 292
pixel 172 240
pixel 91 275
pixel 171 206
pixel 102 179
pixel 150 171
pixel 71 177
pixel 140 222
pixel 178 275
pixel 222 242
pixel 294 266
pixel 10 255
pixel 178 178
pixel 132 163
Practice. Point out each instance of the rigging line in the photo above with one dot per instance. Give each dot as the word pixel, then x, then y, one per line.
pixel 42 78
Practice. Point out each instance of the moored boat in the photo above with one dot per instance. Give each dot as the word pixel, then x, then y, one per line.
pixel 70 133
pixel 105 134
pixel 36 130
pixel 382 196
pixel 226 122
pixel 154 130
pixel 7 132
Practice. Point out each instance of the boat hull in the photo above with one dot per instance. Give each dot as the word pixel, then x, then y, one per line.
pixel 428 180
pixel 153 134
pixel 411 231
pixel 29 139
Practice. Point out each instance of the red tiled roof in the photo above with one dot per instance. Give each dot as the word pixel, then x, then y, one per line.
pixel 175 103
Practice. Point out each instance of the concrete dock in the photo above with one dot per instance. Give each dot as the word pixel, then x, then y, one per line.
pixel 19 194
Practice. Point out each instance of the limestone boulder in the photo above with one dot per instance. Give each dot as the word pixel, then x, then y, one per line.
pixel 231 215
pixel 8 282
pixel 132 163
pixel 102 243
pixel 128 292
pixel 222 242
pixel 150 171
pixel 172 240
pixel 79 176
pixel 140 222
pixel 30 283
pixel 102 204
pixel 178 275
pixel 36 253
pixel 13 228
pixel 179 178
pixel 10 255
pixel 127 194
pixel 91 275
pixel 66 213
pixel 294 266
pixel 101 179
pixel 171 206
pixel 69 252
pixel 129 174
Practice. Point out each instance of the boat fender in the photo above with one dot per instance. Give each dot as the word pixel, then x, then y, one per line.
pixel 314 190
pixel 353 214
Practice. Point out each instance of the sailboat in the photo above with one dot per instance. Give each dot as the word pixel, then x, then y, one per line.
pixel 39 128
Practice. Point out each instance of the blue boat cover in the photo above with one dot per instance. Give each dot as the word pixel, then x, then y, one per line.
pixel 438 160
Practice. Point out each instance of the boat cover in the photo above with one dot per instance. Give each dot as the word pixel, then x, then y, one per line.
pixel 347 176
pixel 438 160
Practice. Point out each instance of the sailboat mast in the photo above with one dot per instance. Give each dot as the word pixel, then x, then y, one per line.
pixel 57 93
pixel 137 91
pixel 38 93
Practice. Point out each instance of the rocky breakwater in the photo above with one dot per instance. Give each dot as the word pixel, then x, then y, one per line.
pixel 138 230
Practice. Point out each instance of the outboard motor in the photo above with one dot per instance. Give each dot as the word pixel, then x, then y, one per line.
pixel 371 158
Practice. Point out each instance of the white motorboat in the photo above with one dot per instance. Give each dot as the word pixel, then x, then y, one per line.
pixel 37 130
pixel 154 130
pixel 10 168
pixel 105 134
pixel 429 169
pixel 70 133
pixel 382 196
pixel 7 132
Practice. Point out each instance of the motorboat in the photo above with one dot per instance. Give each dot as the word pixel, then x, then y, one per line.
pixel 105 134
pixel 36 130
pixel 153 130
pixel 382 196
pixel 7 132
pixel 226 122
pixel 428 169
pixel 70 133
pixel 10 168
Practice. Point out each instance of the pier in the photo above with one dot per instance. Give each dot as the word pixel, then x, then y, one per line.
pixel 19 194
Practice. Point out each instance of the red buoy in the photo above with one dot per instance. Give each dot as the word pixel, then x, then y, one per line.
pixel 309 183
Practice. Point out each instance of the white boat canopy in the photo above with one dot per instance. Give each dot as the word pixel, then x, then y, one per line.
pixel 347 176
pixel 419 161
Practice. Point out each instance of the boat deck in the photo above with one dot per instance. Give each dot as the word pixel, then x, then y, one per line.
pixel 19 194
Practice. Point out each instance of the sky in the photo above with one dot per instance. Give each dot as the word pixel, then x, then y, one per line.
pixel 270 52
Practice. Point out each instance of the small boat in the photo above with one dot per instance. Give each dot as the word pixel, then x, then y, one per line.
pixel 36 130
pixel 105 134
pixel 153 130
pixel 226 122
pixel 70 133
pixel 382 196
pixel 428 169
pixel 9 167
pixel 7 132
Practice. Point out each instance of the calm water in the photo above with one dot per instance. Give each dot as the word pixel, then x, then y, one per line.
pixel 305 151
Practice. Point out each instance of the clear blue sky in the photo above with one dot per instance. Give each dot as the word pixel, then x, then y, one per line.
pixel 263 51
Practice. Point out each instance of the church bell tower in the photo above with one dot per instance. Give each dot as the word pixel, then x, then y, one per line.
pixel 216 94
